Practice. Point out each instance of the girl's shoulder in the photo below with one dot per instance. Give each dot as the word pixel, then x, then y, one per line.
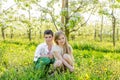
pixel 56 47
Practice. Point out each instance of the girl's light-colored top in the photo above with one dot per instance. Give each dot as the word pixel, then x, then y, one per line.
pixel 59 49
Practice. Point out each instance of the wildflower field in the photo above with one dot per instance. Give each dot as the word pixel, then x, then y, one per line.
pixel 93 61
pixel 92 28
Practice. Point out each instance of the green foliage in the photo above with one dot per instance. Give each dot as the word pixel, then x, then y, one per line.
pixel 104 12
pixel 51 3
pixel 27 5
pixel 64 12
pixel 118 0
pixel 76 18
pixel 116 5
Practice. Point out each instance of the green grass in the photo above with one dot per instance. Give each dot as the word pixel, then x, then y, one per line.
pixel 93 61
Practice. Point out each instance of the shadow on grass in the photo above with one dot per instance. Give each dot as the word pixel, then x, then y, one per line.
pixel 90 47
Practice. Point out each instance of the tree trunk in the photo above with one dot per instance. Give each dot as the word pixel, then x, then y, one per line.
pixel 3 33
pixel 67 33
pixel 117 34
pixel 29 31
pixel 29 34
pixel 66 20
pixel 95 34
pixel 62 17
pixel 35 33
pixel 11 34
pixel 113 25
pixel 101 28
pixel 40 34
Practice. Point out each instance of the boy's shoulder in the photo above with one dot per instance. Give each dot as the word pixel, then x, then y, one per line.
pixel 41 45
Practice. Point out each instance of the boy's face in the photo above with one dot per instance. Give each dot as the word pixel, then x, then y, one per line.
pixel 48 38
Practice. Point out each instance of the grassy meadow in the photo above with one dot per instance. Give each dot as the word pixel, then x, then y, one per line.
pixel 94 60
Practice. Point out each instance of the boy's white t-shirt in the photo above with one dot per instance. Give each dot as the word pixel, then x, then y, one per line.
pixel 41 49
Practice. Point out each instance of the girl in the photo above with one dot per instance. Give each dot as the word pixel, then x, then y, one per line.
pixel 62 52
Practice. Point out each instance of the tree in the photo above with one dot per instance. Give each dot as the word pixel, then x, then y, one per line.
pixel 101 30
pixel 70 14
pixel 113 6
pixel 66 18
pixel 27 6
pixel 4 18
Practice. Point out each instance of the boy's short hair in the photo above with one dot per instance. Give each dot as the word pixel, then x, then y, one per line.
pixel 48 32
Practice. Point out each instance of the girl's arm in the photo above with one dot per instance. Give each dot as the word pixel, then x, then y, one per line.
pixel 59 57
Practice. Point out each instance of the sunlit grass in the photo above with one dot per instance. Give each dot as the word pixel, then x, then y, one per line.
pixel 93 61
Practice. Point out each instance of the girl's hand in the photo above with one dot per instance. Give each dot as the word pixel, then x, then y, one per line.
pixel 71 69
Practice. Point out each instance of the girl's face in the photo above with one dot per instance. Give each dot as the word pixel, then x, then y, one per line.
pixel 61 40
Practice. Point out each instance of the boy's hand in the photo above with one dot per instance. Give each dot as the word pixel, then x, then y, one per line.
pixel 44 55
pixel 50 56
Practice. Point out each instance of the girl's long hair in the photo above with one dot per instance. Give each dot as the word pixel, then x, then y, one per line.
pixel 66 48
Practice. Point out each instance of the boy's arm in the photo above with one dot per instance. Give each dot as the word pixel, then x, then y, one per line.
pixel 37 52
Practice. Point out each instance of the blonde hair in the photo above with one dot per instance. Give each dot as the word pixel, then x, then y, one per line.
pixel 66 47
